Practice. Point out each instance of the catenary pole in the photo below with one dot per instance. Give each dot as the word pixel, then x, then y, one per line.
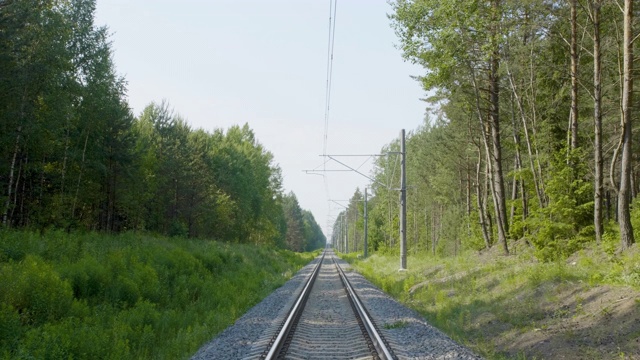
pixel 340 234
pixel 341 237
pixel 403 203
pixel 355 229
pixel 366 245
pixel 346 232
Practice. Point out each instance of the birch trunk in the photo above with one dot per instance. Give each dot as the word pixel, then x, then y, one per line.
pixel 626 230
pixel 486 235
pixel 499 198
pixel 496 159
pixel 573 117
pixel 527 138
pixel 7 203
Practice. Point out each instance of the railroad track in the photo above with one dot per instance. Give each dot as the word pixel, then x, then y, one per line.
pixel 328 321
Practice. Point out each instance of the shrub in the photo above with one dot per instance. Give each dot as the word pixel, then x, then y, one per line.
pixel 557 228
pixel 88 277
pixel 635 218
pixel 126 296
pixel 9 251
pixel 35 290
pixel 10 328
pixel 140 322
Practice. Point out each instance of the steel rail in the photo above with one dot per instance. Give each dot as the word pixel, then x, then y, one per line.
pixel 296 310
pixel 384 352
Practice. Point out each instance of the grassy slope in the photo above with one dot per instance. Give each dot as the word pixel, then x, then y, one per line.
pixel 128 296
pixel 587 307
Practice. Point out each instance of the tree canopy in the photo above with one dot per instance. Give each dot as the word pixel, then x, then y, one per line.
pixel 528 130
pixel 73 156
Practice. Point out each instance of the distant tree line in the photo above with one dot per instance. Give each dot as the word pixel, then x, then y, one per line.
pixel 73 156
pixel 531 133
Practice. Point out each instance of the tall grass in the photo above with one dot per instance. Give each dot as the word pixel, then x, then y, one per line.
pixel 129 296
pixel 474 297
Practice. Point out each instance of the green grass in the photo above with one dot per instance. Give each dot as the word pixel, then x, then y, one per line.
pixel 129 296
pixel 478 299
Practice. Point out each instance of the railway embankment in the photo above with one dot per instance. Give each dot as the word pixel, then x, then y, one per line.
pixel 327 326
pixel 515 307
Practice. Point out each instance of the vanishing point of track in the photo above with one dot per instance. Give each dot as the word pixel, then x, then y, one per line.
pixel 328 321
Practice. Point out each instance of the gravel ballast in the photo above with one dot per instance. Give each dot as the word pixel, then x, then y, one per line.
pixel 246 337
pixel 409 335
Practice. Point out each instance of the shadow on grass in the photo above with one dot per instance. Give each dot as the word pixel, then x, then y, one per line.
pixel 537 312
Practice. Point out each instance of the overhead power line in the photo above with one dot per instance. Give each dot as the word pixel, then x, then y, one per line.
pixel 333 5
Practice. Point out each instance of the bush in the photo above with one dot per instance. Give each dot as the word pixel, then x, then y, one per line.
pixel 127 296
pixel 635 218
pixel 558 228
pixel 140 323
pixel 34 290
pixel 88 277
pixel 10 328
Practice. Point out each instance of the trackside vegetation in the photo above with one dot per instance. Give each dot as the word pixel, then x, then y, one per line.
pixel 522 206
pixel 517 307
pixel 127 296
pixel 529 133
pixel 84 181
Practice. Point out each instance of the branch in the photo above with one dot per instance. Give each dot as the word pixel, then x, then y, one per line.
pixel 613 163
pixel 619 7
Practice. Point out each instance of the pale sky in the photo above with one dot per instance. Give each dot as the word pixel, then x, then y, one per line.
pixel 263 62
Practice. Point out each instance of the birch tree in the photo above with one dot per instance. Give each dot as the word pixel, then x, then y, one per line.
pixel 626 166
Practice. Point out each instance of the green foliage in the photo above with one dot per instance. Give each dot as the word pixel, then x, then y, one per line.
pixel 564 226
pixel 88 278
pixel 635 218
pixel 11 329
pixel 478 301
pixel 466 50
pixel 73 157
pixel 315 239
pixel 34 290
pixel 303 232
pixel 295 236
pixel 129 296
pixel 472 238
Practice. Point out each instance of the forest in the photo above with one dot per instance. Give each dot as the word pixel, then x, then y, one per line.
pixel 73 156
pixel 124 236
pixel 137 236
pixel 528 135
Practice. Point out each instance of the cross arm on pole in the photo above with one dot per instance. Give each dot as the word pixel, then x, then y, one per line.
pixel 354 170
pixel 335 202
pixel 317 171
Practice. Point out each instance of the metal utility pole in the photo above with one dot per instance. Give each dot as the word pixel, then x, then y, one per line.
pixel 346 233
pixel 338 235
pixel 355 230
pixel 341 238
pixel 403 203
pixel 365 223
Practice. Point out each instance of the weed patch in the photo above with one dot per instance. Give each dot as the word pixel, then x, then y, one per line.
pixel 130 296
pixel 395 325
pixel 518 307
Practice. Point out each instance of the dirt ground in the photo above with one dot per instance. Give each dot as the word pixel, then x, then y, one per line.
pixel 581 323
pixel 563 317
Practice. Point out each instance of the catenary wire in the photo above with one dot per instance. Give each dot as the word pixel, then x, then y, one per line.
pixel 330 48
